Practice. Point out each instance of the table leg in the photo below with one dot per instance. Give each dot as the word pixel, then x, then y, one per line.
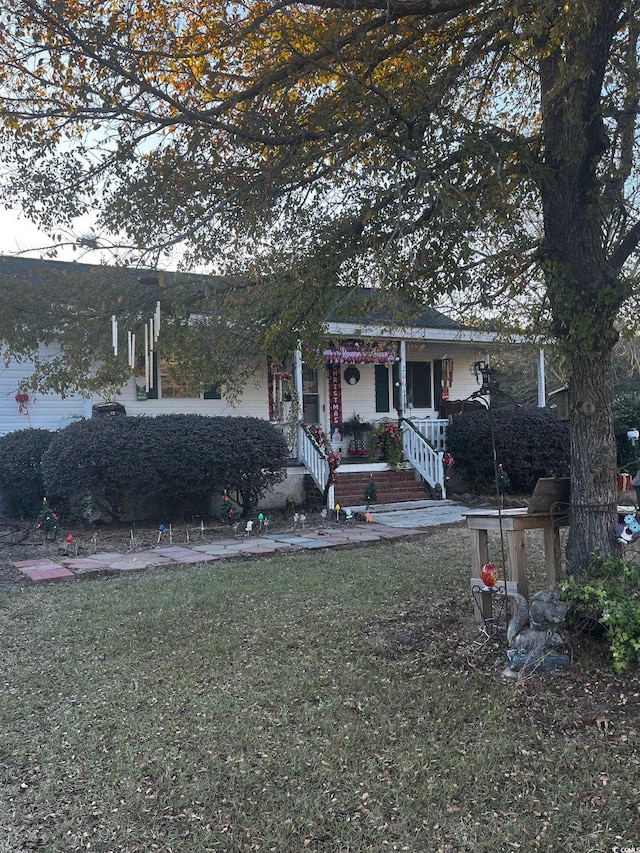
pixel 552 553
pixel 517 562
pixel 479 551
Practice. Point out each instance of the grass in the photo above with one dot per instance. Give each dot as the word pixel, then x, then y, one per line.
pixel 326 701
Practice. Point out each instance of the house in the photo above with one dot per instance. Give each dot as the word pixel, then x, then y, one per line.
pixel 379 367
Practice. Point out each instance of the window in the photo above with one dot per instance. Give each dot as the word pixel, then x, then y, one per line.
pixel 169 386
pixel 419 384
pixel 213 393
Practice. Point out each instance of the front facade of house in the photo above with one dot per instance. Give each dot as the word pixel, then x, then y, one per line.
pixel 372 370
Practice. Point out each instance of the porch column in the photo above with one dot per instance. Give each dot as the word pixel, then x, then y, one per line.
pixel 297 374
pixel 542 391
pixel 403 376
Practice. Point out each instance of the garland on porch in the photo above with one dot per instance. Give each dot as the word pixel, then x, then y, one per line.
pixel 319 438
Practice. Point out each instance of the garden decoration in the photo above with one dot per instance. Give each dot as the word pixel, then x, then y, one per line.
pixel 260 520
pixel 303 519
pixel 226 512
pixel 629 531
pixel 534 647
pixel 502 480
pixel 69 541
pixel 337 509
pixel 47 521
pixel 370 493
pixel 489 575
pixel 248 528
pixel 160 532
pixel 296 518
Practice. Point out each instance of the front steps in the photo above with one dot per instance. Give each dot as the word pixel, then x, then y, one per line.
pixel 391 486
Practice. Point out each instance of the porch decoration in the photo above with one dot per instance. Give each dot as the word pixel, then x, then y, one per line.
pixel 352 375
pixel 361 352
pixel 334 461
pixel 447 376
pixel 335 397
pixel 388 441
pixel 358 429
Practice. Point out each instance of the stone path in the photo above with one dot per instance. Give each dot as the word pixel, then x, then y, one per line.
pixel 389 523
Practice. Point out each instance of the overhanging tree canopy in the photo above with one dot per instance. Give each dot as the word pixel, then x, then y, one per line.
pixel 436 145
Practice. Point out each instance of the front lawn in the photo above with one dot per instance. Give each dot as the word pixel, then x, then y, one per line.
pixel 328 701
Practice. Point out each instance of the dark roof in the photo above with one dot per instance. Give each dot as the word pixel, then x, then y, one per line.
pixel 376 307
pixel 359 306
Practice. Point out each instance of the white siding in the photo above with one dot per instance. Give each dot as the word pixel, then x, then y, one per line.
pixel 42 411
pixel 50 411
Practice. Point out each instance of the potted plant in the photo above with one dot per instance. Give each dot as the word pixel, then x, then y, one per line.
pixel 357 429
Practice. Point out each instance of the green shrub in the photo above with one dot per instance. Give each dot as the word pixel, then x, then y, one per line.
pixel 626 416
pixel 176 460
pixel 530 443
pixel 21 481
pixel 609 594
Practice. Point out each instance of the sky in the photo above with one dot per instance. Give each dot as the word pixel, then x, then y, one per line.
pixel 20 236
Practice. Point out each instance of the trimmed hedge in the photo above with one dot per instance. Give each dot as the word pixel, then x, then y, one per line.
pixel 178 460
pixel 530 443
pixel 21 481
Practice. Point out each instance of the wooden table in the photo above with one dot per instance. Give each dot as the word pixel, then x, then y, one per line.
pixel 514 522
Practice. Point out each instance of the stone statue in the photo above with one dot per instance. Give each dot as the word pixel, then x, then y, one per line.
pixel 534 647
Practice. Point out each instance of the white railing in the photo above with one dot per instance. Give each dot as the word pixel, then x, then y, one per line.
pixel 435 431
pixel 315 462
pixel 426 460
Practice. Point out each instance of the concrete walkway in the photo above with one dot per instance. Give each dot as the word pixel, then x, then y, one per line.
pixel 391 521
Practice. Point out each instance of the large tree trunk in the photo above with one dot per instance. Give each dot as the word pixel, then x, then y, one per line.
pixel 583 285
pixel 592 515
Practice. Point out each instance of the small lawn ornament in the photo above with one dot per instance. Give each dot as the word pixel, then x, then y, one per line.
pixel 370 493
pixel 47 522
pixel 337 509
pixel 226 512
pixel 260 520
pixel 248 528
pixel 489 575
pixel 629 531
pixel 160 532
pixel 534 647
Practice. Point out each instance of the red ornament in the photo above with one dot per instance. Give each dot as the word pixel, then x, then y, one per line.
pixel 69 538
pixel 489 575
